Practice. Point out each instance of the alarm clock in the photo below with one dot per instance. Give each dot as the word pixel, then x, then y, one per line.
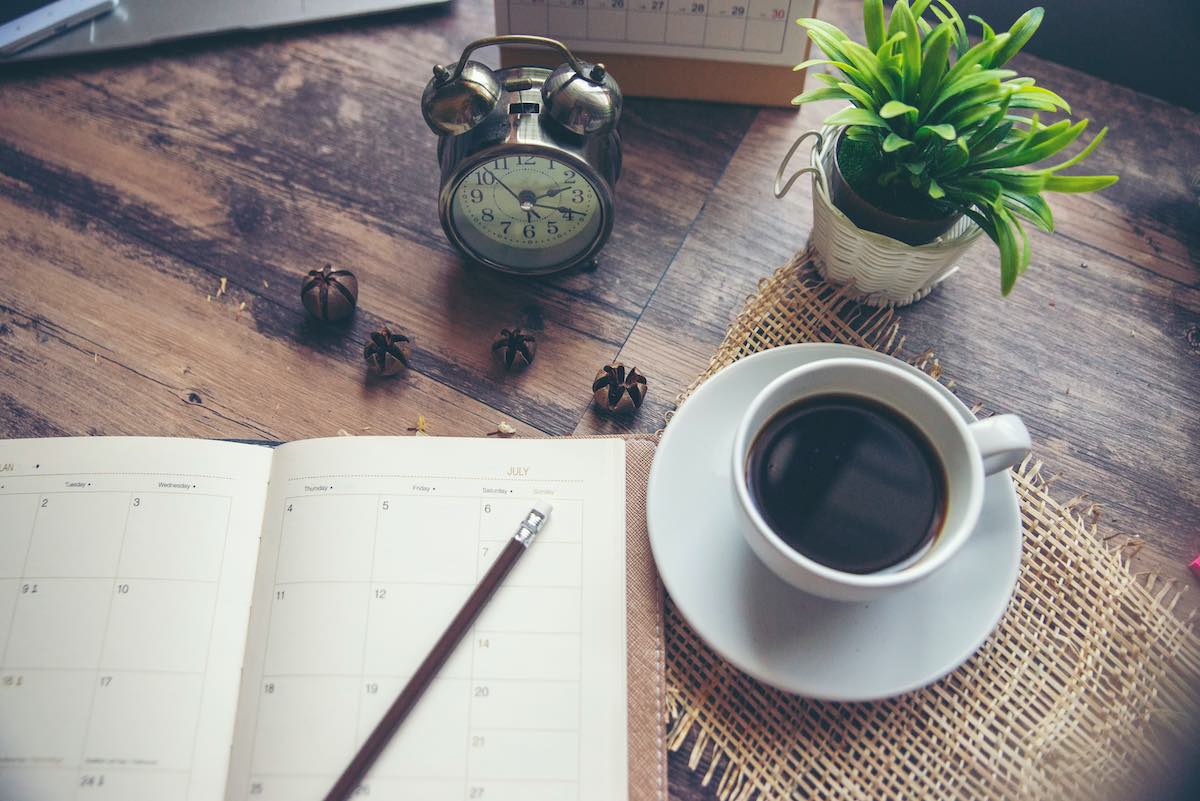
pixel 529 158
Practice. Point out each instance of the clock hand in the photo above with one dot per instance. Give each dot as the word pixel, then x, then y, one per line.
pixel 560 209
pixel 555 191
pixel 529 212
pixel 502 184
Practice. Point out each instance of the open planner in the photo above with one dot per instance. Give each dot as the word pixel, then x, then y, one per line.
pixel 202 620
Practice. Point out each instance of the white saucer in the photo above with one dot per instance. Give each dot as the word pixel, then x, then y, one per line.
pixel 779 635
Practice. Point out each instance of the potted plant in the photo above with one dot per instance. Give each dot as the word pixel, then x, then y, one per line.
pixel 937 128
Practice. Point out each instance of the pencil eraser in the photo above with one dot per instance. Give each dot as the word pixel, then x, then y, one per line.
pixel 1195 567
pixel 543 508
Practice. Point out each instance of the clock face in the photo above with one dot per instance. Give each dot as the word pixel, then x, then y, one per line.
pixel 526 211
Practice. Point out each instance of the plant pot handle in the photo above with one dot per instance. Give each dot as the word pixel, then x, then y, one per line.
pixel 780 191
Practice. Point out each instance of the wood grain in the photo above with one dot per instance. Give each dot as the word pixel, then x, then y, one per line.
pixel 257 163
pixel 130 184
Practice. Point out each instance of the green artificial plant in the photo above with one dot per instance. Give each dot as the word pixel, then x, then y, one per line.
pixel 939 120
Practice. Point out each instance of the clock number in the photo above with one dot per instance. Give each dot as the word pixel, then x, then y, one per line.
pixel 570 214
pixel 526 161
pixel 488 215
pixel 529 231
pixel 568 176
pixel 576 195
pixel 484 178
pixel 500 163
pixel 551 228
pixel 476 195
pixel 506 224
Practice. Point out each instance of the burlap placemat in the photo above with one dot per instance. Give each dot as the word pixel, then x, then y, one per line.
pixel 1059 703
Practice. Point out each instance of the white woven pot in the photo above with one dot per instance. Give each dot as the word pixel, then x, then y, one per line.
pixel 880 270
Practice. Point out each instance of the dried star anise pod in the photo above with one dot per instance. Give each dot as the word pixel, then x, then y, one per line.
pixel 618 390
pixel 387 353
pixel 514 349
pixel 329 295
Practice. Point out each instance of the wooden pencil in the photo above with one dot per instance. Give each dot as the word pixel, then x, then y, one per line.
pixel 378 739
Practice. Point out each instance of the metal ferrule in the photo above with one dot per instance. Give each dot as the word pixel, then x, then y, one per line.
pixel 530 527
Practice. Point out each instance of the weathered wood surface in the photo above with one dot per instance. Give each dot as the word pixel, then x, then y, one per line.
pixel 131 184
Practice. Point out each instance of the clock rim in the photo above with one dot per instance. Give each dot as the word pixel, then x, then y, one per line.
pixel 467 165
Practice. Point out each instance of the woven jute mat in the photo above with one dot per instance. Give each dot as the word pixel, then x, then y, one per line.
pixel 1066 700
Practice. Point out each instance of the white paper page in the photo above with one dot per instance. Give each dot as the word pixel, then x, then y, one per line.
pixel 747 31
pixel 370 546
pixel 126 570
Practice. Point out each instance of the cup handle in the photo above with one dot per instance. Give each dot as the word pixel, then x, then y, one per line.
pixel 1003 441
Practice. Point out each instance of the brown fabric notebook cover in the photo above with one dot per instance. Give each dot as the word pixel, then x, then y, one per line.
pixel 646 701
pixel 644 619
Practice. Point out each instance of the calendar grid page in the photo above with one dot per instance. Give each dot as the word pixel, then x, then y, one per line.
pixel 747 31
pixel 370 546
pixel 126 569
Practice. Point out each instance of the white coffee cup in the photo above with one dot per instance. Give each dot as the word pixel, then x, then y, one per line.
pixel 968 453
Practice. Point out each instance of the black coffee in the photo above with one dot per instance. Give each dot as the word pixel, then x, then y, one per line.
pixel 847 482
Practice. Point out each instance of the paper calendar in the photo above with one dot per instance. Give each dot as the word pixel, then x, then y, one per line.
pixel 198 620
pixel 729 50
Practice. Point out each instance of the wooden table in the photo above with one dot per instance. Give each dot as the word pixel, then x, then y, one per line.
pixel 132 184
